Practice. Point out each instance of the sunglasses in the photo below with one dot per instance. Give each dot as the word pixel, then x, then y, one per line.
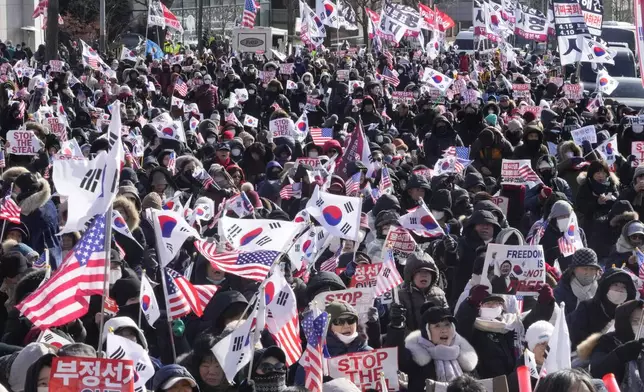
pixel 343 321
pixel 266 367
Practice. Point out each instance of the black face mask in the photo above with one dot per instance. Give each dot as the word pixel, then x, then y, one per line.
pixel 533 145
pixel 547 176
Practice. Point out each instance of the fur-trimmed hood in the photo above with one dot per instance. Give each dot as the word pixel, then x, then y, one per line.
pixel 467 358
pixel 132 219
pixel 11 174
pixel 37 199
pixel 583 176
pixel 568 146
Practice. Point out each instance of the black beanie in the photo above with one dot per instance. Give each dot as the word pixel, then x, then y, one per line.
pixel 27 182
pixel 441 200
pixel 126 288
pixel 12 264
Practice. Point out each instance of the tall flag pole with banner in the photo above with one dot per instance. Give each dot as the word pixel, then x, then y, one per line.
pixel 571 29
pixel 639 34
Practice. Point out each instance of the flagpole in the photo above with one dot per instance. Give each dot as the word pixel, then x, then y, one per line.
pixel 106 286
pixel 140 304
pixel 167 311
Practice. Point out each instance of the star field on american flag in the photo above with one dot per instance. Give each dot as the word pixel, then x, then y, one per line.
pixel 93 241
pixel 264 257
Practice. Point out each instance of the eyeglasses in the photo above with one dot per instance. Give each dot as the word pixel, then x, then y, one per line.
pixel 343 321
pixel 266 367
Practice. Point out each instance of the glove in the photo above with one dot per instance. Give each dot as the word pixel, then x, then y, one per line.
pixel 247 386
pixel 372 315
pixel 545 193
pixel 630 351
pixel 450 244
pixel 477 295
pixel 178 328
pixel 546 295
pixel 397 315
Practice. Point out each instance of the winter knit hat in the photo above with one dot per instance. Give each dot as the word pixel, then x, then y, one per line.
pixel 339 308
pixel 515 125
pixel 152 200
pixel 491 119
pixel 584 257
pixel 538 332
pixel 560 208
pixel 639 171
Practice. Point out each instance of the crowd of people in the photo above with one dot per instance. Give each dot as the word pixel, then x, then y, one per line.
pixel 450 331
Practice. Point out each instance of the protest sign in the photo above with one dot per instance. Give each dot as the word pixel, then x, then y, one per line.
pixel 360 298
pixel 311 104
pixel 558 80
pixel 313 162
pixel 637 149
pixel 586 133
pixel 427 173
pixel 365 275
pixel 281 127
pixel 56 65
pixel 517 269
pixel 75 374
pixel 521 91
pixel 459 86
pixel 399 239
pixel 23 142
pixel 469 96
pixel 241 94
pixel 267 76
pixel 57 126
pixel 532 109
pixel 573 91
pixel 517 171
pixel 356 101
pixel 342 75
pixel 501 202
pixel 403 96
pixel 364 368
pixel 287 68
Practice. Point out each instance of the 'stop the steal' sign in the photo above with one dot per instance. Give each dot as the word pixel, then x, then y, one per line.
pixel 364 368
pixel 23 142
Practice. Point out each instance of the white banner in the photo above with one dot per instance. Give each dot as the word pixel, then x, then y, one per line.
pixel 364 368
pixel 518 269
pixel 23 142
pixel 360 298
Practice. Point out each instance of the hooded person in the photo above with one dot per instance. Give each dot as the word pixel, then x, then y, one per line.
pixel 223 308
pixel 172 378
pixel 596 314
pixel 436 351
pixel 39 215
pixel 345 335
pixel 579 281
pixel 482 319
pixel 17 364
pixel 634 193
pixel 124 327
pixel 479 230
pixel 417 192
pixel 471 125
pixel 612 352
pixel 38 374
pixel 537 337
pixel 204 366
pixel 442 137
pixel 546 169
pixel 420 286
pixel 269 370
pixel 603 240
pixel 254 161
pixel 489 150
pixel 162 183
pixel 274 94
pixel 557 224
pixel 623 251
pixel 371 120
pixel 129 213
pixel 598 190
pixel 533 146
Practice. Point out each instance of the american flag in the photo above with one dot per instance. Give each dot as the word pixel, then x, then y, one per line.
pixel 250 265
pixel 131 158
pixel 353 184
pixel 640 262
pixel 182 297
pixel 181 87
pixel 21 110
pixel 206 292
pixel 321 135
pixel 250 12
pixel 565 247
pixel 458 152
pixel 390 57
pixel 203 177
pixel 313 357
pixel 385 181
pixel 63 298
pixel 331 264
pixel 528 174
pixel 389 277
pixel 3 163
pixel 520 303
pixel 42 260
pixel 10 210
pixel 390 77
pixel 288 338
pixel 172 163
pixel 291 190
pixel 40 8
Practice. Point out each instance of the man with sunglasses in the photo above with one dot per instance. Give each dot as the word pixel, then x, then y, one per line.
pixel 343 336
pixel 269 370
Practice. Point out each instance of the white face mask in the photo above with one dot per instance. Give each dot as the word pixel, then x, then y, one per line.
pixel 400 152
pixel 616 297
pixel 491 313
pixel 313 154
pixel 562 224
pixel 236 152
pixel 347 339
pixel 570 154
pixel 115 275
pixel 211 140
pixel 207 81
pixel 43 389
pixel 251 92
pixel 438 214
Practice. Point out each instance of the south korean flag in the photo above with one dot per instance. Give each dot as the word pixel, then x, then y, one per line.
pixel 340 215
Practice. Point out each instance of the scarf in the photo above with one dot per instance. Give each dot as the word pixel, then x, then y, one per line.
pixel 583 292
pixel 272 382
pixel 509 322
pixel 445 359
pixel 599 189
pixel 623 246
